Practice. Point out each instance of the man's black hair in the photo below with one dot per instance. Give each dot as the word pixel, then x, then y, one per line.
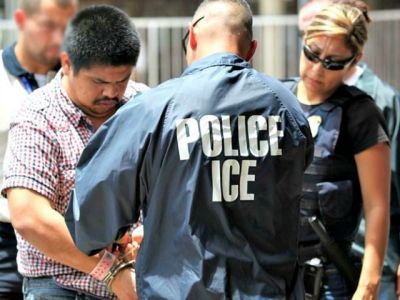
pixel 101 35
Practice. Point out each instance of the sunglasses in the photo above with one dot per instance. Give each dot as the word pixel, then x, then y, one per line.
pixel 184 40
pixel 327 63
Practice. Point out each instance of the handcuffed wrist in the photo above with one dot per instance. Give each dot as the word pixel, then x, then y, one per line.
pixel 109 266
pixel 106 263
pixel 112 273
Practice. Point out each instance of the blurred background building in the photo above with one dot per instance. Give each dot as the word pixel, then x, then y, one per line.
pixel 172 8
pixel 162 24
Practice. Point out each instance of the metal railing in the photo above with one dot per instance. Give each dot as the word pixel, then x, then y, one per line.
pixel 278 46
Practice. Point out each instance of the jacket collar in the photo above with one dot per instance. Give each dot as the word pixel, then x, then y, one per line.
pixel 11 62
pixel 217 59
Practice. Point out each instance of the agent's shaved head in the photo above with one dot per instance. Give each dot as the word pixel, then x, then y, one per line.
pixel 234 16
pixel 221 26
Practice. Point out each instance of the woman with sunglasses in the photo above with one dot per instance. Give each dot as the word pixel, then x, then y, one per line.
pixel 350 170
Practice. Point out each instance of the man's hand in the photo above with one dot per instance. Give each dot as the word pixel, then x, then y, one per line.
pixel 124 285
pixel 129 244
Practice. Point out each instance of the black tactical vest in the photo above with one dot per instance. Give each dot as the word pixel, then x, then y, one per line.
pixel 331 189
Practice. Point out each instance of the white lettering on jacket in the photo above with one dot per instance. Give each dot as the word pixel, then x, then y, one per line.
pixel 256 136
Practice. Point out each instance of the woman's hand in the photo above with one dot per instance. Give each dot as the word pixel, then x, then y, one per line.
pixel 366 292
pixel 398 282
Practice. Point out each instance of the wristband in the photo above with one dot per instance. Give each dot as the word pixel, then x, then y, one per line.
pixel 104 266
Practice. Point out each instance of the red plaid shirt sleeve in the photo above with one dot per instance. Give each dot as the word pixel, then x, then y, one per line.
pixel 31 157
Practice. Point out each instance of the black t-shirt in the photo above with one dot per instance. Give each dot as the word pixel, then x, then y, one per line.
pixel 363 124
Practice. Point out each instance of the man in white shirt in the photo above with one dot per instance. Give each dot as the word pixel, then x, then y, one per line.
pixel 24 66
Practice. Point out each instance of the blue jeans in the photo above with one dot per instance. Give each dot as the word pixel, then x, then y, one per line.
pixel 10 279
pixel 387 289
pixel 334 285
pixel 336 288
pixel 45 288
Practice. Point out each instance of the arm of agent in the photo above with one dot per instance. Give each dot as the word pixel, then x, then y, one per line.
pixel 373 167
pixel 36 221
pixel 398 282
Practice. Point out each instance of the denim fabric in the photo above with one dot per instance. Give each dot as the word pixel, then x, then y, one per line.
pixel 10 279
pixel 334 285
pixel 387 289
pixel 45 288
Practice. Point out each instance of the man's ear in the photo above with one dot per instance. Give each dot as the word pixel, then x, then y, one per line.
pixel 252 50
pixel 66 63
pixel 20 18
pixel 192 38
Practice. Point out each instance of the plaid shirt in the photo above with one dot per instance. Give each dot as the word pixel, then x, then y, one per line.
pixel 46 140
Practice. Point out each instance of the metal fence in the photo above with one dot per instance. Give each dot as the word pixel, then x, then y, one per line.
pixel 278 46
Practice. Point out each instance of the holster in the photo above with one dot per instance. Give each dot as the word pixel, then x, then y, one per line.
pixel 313 274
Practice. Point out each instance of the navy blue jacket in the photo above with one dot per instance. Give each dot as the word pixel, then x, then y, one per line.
pixel 215 160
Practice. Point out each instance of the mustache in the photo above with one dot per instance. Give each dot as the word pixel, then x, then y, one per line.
pixel 107 99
